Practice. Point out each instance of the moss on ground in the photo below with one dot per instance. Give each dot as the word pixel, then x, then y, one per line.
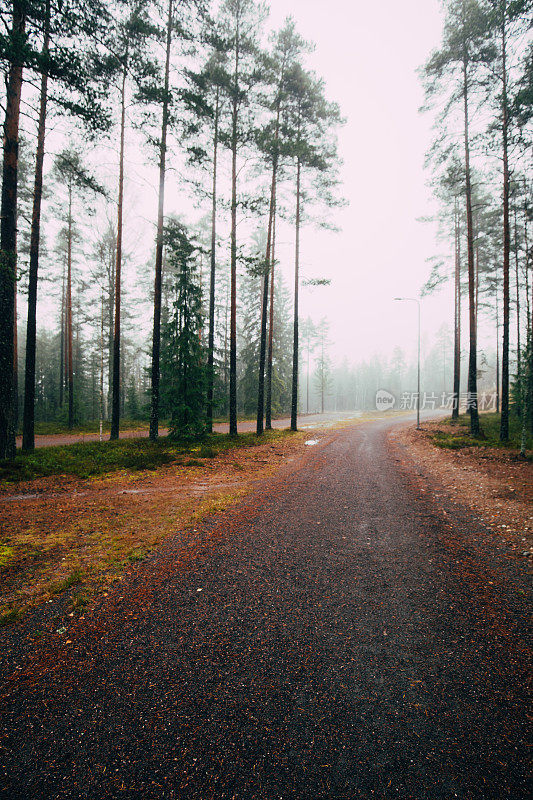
pixel 457 433
pixel 88 459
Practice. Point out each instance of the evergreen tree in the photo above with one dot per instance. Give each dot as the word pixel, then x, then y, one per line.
pixel 451 71
pixel 323 364
pixel 184 370
pixel 310 126
pixel 240 21
pixel 71 174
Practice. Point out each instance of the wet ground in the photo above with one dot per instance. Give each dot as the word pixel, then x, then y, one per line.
pixel 336 636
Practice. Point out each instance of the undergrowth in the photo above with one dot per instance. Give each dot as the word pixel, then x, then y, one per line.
pixel 87 459
pixel 457 434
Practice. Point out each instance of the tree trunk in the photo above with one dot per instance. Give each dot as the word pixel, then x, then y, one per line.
pixel 529 313
pixel 307 381
pixel 504 422
pixel 517 288
pixel 28 428
pixel 457 319
pixel 472 360
pixel 212 282
pixel 8 235
pixel 497 352
pixel 62 345
pixel 70 369
pixel 264 306
pixel 101 403
pixel 270 357
pixel 115 410
pixel 233 299
pixel 156 338
pixel 15 365
pixel 294 397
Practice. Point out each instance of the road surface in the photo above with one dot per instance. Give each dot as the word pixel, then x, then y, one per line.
pixel 341 637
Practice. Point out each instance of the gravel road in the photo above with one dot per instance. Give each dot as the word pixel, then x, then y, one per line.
pixel 341 638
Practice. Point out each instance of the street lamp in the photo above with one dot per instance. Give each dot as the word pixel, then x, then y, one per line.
pixel 415 300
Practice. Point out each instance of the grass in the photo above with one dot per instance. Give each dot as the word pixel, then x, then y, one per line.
pixel 458 435
pixel 59 427
pixel 75 577
pixel 89 459
pixel 92 426
pixel 8 617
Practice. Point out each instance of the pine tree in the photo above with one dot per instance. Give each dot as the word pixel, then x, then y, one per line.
pixel 240 20
pixel 451 70
pixel 288 46
pixel 69 59
pixel 71 173
pixel 310 135
pixel 323 364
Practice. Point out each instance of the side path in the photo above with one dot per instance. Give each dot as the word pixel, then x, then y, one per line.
pixel 338 638
pixel 244 426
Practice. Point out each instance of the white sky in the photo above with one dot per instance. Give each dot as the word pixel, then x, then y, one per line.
pixel 368 53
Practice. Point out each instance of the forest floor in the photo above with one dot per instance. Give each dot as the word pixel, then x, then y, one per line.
pixel 486 477
pixel 76 535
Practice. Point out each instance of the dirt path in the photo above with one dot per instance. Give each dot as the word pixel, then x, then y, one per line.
pixel 337 637
pixel 309 420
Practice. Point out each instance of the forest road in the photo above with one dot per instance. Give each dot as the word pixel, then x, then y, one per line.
pixel 341 635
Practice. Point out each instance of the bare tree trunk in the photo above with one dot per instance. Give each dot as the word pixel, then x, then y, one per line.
pixel 457 319
pixel 504 422
pixel 226 339
pixel 264 306
pixel 477 276
pixel 497 352
pixel 517 287
pixel 529 314
pixel 115 410
pixel 472 360
pixel 294 397
pixel 15 359
pixel 28 428
pixel 8 235
pixel 270 356
pixel 62 345
pixel 307 381
pixel 101 404
pixel 233 301
pixel 156 338
pixel 211 333
pixel 70 368
pixel 322 381
pixel 110 326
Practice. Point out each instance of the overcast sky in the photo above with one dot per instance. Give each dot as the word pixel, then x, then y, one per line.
pixel 368 53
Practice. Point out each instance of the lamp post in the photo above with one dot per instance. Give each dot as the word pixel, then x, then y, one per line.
pixel 415 300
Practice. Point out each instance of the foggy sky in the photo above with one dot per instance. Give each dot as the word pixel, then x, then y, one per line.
pixel 368 54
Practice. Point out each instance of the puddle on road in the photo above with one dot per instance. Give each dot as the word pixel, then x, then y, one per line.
pixel 311 442
pixel 19 497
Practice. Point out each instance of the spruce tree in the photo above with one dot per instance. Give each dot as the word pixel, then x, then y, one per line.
pixel 184 367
